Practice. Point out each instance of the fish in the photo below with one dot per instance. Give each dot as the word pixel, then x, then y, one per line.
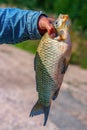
pixel 50 64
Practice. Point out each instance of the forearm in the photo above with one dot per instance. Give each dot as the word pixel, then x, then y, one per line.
pixel 18 25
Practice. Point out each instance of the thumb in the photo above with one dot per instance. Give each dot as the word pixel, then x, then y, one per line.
pixel 51 30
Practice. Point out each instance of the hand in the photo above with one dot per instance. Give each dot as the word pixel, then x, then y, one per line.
pixel 45 25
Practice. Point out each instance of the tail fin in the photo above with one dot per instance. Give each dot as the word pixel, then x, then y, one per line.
pixel 46 114
pixel 40 109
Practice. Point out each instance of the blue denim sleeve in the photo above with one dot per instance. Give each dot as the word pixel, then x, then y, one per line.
pixel 18 25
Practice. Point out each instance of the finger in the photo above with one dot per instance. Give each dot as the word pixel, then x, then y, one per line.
pixel 50 29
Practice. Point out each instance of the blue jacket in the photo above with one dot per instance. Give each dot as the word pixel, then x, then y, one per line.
pixel 18 25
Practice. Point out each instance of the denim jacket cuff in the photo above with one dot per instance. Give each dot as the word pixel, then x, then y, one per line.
pixel 32 24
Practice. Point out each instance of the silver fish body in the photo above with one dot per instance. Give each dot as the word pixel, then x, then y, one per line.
pixel 51 62
pixel 49 65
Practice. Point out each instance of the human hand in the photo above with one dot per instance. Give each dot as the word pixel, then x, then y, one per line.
pixel 45 25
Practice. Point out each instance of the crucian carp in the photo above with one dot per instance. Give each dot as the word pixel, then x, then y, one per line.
pixel 51 62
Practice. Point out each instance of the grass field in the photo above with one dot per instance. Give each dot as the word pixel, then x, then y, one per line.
pixel 79 50
pixel 30 45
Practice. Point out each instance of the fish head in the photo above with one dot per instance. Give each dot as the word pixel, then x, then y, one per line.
pixel 62 22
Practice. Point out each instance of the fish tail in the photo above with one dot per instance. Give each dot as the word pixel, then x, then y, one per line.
pixel 40 109
pixel 46 114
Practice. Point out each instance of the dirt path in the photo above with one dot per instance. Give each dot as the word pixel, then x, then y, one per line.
pixel 18 95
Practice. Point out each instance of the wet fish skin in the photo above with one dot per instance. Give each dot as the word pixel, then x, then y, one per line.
pixel 51 62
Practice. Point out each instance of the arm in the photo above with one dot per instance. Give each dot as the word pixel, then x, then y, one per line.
pixel 18 25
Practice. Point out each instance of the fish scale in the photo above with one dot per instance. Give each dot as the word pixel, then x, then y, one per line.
pixel 51 62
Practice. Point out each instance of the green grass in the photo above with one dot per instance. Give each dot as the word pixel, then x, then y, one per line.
pixel 79 59
pixel 79 53
pixel 29 46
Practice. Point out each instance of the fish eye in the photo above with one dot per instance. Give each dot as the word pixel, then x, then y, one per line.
pixel 56 22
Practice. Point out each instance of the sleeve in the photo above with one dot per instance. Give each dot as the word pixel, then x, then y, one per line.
pixel 17 25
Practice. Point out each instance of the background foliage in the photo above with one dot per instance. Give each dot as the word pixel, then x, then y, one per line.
pixel 77 10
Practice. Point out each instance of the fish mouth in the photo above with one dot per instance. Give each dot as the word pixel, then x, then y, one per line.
pixel 67 21
pixel 66 17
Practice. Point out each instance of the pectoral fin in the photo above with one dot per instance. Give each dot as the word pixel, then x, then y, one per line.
pixel 55 94
pixel 65 66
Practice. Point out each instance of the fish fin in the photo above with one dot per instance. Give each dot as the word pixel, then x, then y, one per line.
pixel 37 109
pixel 46 114
pixel 55 94
pixel 40 109
pixel 65 66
